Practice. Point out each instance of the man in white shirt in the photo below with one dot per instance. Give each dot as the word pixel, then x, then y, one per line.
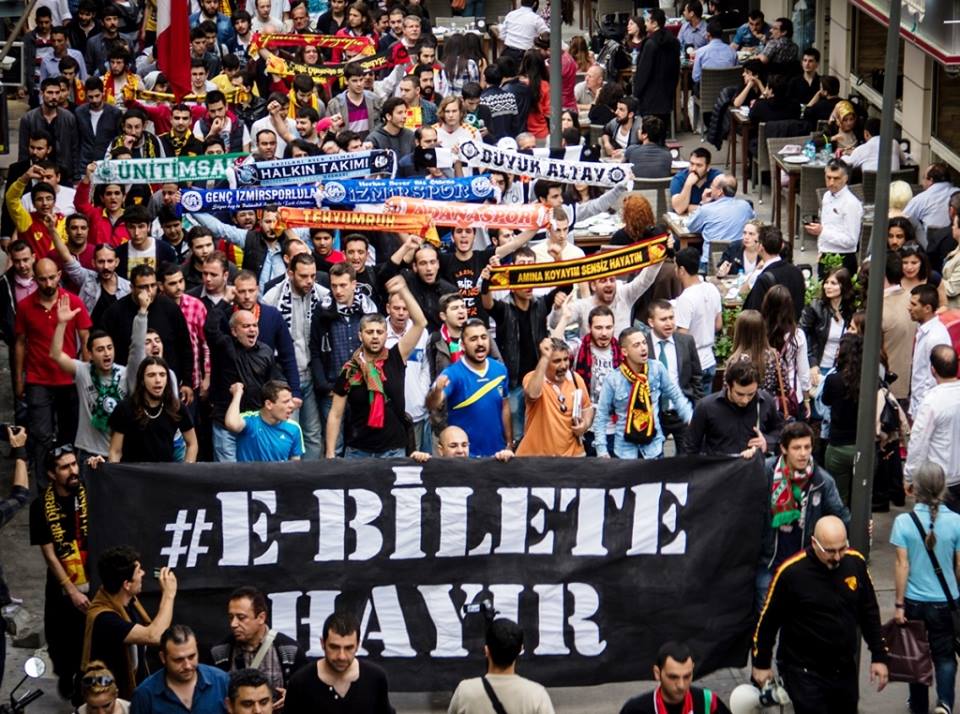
pixel 520 28
pixel 841 218
pixel 930 207
pixel 935 435
pixel 699 310
pixel 417 376
pixel 867 154
pixel 924 301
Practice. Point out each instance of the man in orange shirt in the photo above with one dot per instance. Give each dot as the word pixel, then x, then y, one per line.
pixel 558 405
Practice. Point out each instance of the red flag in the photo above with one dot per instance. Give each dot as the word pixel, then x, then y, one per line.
pixel 173 44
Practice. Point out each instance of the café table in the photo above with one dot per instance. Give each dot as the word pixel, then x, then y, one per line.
pixel 739 124
pixel 780 165
pixel 677 225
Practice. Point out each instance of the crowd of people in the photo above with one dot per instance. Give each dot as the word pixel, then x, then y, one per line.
pixel 143 332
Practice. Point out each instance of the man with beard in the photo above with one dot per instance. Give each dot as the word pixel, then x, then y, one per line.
pixel 557 404
pixel 249 635
pixel 58 122
pixel 638 410
pixel 371 383
pixel 97 121
pixel 339 681
pixel 194 312
pixel 820 601
pixel 356 249
pixel 99 45
pixel 100 287
pixel 49 393
pixel 236 355
pixel 424 280
pixel 262 246
pixel 59 524
pixel 420 111
pixel 39 148
pixel 180 141
pixel 182 678
pixel 15 285
pixel 474 390
pixel 674 693
pixel 623 130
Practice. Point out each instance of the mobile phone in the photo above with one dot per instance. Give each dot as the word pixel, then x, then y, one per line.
pixel 156 573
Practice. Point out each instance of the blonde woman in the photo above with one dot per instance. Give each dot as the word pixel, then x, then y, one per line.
pixel 99 691
pixel 900 195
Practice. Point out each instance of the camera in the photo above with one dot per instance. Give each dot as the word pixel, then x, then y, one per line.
pixel 484 607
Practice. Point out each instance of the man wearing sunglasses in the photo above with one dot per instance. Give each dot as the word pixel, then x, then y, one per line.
pixel 820 601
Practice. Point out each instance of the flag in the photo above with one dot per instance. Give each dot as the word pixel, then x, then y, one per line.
pixel 173 44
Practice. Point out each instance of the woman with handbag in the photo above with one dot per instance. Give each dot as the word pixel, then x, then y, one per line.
pixel 927 541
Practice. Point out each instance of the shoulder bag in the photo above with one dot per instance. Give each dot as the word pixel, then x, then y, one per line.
pixel 954 613
pixel 492 695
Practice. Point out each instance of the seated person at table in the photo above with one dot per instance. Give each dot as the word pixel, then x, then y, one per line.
pixel 843 130
pixel 775 105
pixel 688 186
pixel 754 84
pixel 650 158
pixel 822 104
pixel 867 154
pixel 752 33
pixel 723 218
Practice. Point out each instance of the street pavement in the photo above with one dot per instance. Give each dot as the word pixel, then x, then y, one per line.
pixel 25 573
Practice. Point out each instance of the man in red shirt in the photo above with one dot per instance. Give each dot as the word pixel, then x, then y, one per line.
pixel 51 399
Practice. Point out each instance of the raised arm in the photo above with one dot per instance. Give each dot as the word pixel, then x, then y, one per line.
pixel 534 388
pixel 518 241
pixel 232 419
pixel 408 342
pixel 64 316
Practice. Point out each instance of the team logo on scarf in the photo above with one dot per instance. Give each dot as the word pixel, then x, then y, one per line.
pixel 184 169
pixel 470 189
pixel 311 169
pixel 442 213
pixel 529 166
pixel 235 199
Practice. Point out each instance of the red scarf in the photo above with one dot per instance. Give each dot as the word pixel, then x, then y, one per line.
pixel 710 702
pixel 361 372
pixel 454 346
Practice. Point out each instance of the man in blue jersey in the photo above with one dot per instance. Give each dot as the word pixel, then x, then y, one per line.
pixel 474 390
pixel 267 434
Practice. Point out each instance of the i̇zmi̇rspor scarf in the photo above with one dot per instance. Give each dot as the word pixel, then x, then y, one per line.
pixel 359 371
pixel 640 426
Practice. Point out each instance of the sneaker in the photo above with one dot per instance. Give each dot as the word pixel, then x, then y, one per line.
pixel 941 708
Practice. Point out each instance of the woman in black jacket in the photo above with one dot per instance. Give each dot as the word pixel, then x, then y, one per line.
pixel 825 320
pixel 841 392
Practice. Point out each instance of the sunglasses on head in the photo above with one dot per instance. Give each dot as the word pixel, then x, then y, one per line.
pixel 97 680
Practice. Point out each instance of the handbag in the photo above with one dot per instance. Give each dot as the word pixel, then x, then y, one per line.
pixel 954 613
pixel 908 652
pixel 788 402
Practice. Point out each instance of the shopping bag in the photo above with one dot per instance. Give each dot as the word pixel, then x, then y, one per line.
pixel 909 652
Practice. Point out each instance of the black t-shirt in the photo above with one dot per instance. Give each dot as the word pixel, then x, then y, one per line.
pixel 104 302
pixel 393 434
pixel 644 704
pixel 529 352
pixel 369 694
pixel 152 442
pixel 107 644
pixel 843 411
pixel 465 274
pixel 40 529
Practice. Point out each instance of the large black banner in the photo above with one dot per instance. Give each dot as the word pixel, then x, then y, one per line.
pixel 600 561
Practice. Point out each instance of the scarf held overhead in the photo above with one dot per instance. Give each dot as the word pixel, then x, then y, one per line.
pixel 279 67
pixel 483 155
pixel 311 169
pixel 445 213
pixel 363 45
pixel 183 169
pixel 592 267
pixel 252 197
pixel 471 189
pixel 355 220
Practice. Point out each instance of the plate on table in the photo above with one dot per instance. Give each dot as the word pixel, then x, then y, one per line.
pixel 679 165
pixel 796 159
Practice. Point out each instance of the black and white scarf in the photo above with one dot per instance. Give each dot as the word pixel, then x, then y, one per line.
pixel 319 297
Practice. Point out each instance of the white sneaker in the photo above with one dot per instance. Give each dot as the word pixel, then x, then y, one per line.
pixel 941 708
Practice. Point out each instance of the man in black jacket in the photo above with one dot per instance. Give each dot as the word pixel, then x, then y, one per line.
pixel 740 419
pixel 423 280
pixel 674 674
pixel 249 634
pixel 658 69
pixel 94 141
pixel 163 316
pixel 820 601
pixel 776 271
pixel 236 355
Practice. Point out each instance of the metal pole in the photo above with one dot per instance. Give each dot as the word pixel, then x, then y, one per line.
pixel 556 20
pixel 862 496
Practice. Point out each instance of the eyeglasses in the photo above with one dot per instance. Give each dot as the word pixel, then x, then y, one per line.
pixel 831 551
pixel 97 680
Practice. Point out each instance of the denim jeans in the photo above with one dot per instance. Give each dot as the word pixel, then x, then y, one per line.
pixel 51 420
pixel 707 379
pixel 224 444
pixel 936 616
pixel 308 416
pixel 361 454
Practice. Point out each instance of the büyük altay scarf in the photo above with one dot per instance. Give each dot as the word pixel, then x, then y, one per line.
pixel 361 372
pixel 788 492
pixel 640 426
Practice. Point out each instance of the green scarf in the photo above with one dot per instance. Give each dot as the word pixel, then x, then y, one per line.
pixel 108 396
pixel 361 372
pixel 788 493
